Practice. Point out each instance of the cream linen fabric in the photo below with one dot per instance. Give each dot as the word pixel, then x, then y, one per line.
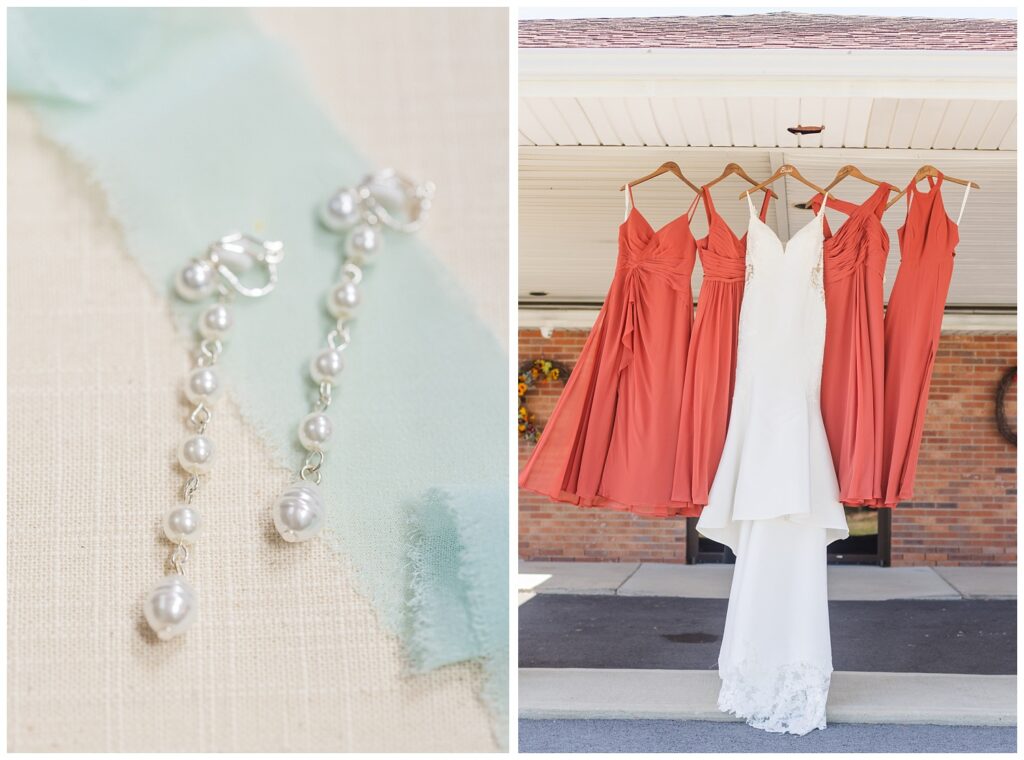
pixel 95 410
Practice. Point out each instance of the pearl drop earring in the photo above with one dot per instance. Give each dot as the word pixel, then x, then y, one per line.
pixel 171 607
pixel 383 199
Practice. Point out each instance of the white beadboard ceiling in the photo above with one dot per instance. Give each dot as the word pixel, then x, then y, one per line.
pixel 570 209
pixel 590 120
pixel 859 122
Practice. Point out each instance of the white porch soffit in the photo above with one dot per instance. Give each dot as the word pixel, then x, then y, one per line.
pixel 591 119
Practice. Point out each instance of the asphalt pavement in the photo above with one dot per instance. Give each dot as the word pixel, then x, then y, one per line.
pixel 897 636
pixel 637 736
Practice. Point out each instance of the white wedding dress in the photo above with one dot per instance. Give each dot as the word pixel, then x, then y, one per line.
pixel 775 499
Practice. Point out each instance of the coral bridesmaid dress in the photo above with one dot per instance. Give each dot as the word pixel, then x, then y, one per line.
pixel 611 440
pixel 853 370
pixel 913 322
pixel 711 361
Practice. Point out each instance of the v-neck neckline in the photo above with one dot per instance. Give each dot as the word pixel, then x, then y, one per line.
pixel 818 218
pixel 656 232
pixel 738 242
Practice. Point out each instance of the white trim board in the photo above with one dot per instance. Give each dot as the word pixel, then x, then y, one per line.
pixel 720 72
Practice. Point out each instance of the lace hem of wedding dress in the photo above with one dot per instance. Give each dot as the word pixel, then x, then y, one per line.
pixel 790 699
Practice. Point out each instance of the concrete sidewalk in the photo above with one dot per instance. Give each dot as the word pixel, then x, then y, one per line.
pixel 904 698
pixel 845 582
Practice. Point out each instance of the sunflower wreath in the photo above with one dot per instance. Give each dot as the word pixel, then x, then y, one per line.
pixel 531 373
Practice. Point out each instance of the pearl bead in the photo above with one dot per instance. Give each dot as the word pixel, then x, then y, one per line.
pixel 182 524
pixel 203 386
pixel 196 454
pixel 343 300
pixel 197 280
pixel 299 512
pixel 326 366
pixel 363 243
pixel 315 431
pixel 341 211
pixel 216 322
pixel 171 607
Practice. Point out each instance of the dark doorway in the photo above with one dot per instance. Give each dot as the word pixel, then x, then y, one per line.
pixel 701 550
pixel 870 538
pixel 869 543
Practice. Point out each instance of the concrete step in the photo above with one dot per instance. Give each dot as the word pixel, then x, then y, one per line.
pixel 907 698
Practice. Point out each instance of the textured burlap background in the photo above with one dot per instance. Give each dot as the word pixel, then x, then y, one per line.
pixel 94 405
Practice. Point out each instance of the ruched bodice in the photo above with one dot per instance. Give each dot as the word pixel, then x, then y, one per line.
pixel 711 360
pixel 668 253
pixel 862 242
pixel 723 255
pixel 852 374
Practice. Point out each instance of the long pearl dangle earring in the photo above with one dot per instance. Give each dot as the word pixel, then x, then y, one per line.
pixel 383 199
pixel 171 607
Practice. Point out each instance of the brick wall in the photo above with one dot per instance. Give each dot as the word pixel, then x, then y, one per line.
pixel 965 504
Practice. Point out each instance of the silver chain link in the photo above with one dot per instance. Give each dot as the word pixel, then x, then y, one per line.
pixel 200 417
pixel 324 402
pixel 311 468
pixel 206 356
pixel 267 253
pixel 339 338
pixel 210 350
pixel 179 557
pixel 352 273
pixel 420 197
pixel 190 489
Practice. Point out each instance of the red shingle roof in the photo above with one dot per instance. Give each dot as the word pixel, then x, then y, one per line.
pixel 772 30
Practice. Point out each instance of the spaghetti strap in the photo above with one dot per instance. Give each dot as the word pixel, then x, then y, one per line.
pixel 764 204
pixel 750 204
pixel 963 205
pixel 693 205
pixel 824 205
pixel 628 197
pixel 709 204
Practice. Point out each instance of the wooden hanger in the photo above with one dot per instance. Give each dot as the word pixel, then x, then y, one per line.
pixel 930 171
pixel 785 169
pixel 668 166
pixel 738 170
pixel 846 171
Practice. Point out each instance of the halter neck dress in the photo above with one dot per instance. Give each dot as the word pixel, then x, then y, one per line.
pixel 611 439
pixel 775 499
pixel 711 360
pixel 913 322
pixel 853 369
